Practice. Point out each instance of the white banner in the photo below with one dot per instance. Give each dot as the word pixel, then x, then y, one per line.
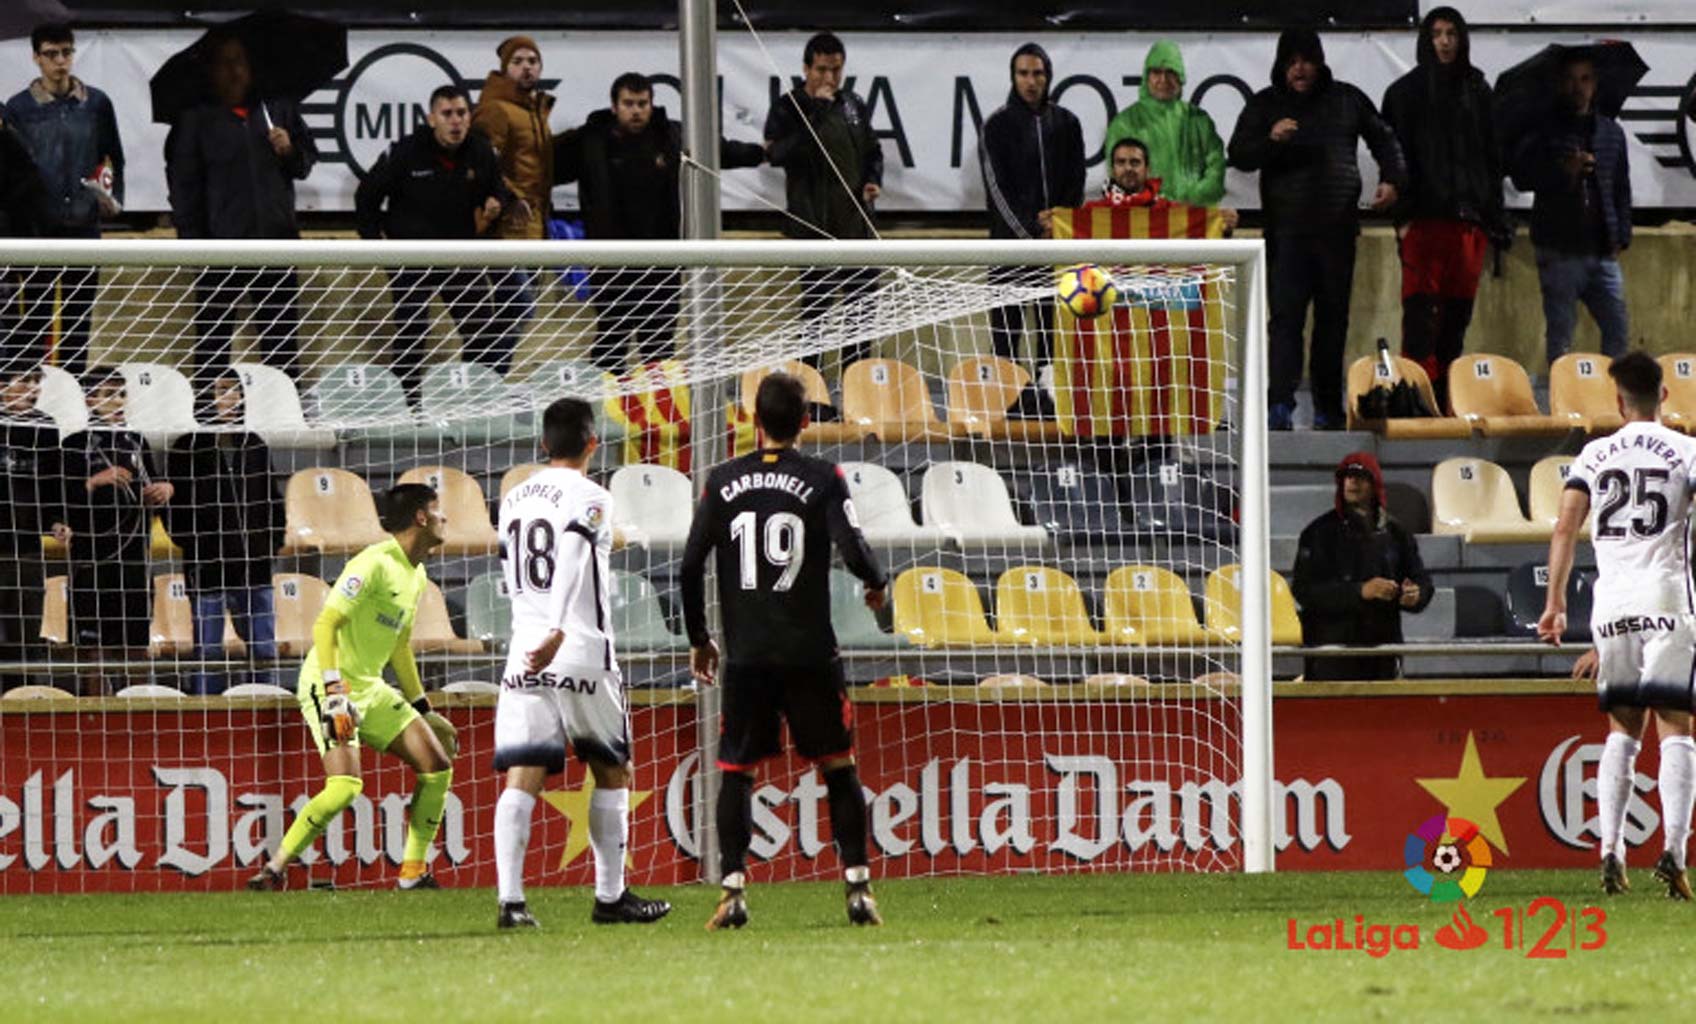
pixel 928 93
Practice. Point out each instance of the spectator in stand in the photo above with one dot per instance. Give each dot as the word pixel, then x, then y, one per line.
pixel 512 113
pixel 1301 134
pixel 441 182
pixel 1128 181
pixel 110 497
pixel 1357 569
pixel 1576 163
pixel 1452 208
pixel 30 492
pixel 231 165
pixel 626 159
pixel 23 201
pixel 1032 154
pixel 72 134
pixel 821 135
pixel 1179 137
pixel 227 516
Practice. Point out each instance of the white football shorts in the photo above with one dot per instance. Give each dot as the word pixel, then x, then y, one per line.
pixel 1644 659
pixel 540 715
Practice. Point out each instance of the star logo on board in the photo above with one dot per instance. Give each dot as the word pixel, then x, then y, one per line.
pixel 1473 795
pixel 574 804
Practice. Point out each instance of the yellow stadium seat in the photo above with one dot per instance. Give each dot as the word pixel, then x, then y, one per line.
pixel 1548 483
pixel 936 607
pixel 1581 392
pixel 160 544
pixel 1476 499
pixel 297 599
pixel 1367 372
pixel 55 625
pixel 518 474
pixel 1223 600
pixel 330 511
pixel 1493 393
pixel 432 628
pixel 469 529
pixel 172 630
pixel 1678 375
pixel 889 399
pixel 1146 604
pixel 982 389
pixel 818 393
pixel 1011 679
pixel 1034 604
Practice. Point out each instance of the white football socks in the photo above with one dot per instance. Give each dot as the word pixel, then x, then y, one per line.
pixel 609 829
pixel 1613 790
pixel 1678 787
pixel 512 838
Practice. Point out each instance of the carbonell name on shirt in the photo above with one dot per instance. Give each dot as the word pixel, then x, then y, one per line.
pixel 769 481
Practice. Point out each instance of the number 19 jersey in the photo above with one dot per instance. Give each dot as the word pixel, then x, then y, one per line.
pixel 556 545
pixel 1639 480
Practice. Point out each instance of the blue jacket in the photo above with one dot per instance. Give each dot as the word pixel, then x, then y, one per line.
pixel 68 136
pixel 1557 213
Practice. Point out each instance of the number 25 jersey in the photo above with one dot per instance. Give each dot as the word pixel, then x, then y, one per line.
pixel 1639 480
pixel 556 543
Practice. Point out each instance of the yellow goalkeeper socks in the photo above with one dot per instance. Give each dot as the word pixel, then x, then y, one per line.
pixel 315 817
pixel 427 800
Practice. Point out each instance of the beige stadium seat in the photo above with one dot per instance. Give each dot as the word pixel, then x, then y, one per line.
pixel 1146 604
pixel 936 607
pixel 1011 679
pixel 473 686
pixel 297 599
pixel 1116 679
pixel 432 628
pixel 1034 604
pixel 55 625
pixel 1225 683
pixel 1581 391
pixel 172 630
pixel 1678 375
pixel 652 504
pixel 149 690
pixel 982 389
pixel 890 400
pixel 1367 372
pixel 469 529
pixel 818 393
pixel 1223 600
pixel 35 691
pixel 1548 483
pixel 1493 393
pixel 518 474
pixel 1475 498
pixel 330 511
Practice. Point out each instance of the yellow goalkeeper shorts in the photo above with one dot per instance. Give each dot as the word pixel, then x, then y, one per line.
pixel 383 713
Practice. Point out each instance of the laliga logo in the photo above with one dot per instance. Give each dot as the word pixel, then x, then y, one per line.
pixel 1458 856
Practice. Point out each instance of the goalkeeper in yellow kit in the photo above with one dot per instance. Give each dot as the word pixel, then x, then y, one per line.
pixel 366 624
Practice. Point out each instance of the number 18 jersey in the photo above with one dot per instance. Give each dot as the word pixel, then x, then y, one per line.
pixel 556 544
pixel 1639 480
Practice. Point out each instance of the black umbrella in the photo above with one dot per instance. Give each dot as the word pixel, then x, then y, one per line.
pixel 1528 91
pixel 19 17
pixel 291 55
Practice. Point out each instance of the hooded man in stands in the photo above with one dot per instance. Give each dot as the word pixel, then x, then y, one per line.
pixel 1357 569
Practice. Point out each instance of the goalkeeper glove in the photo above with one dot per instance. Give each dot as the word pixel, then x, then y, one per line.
pixel 446 734
pixel 338 716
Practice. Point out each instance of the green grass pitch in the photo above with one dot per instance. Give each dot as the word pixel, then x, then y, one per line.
pixel 1063 949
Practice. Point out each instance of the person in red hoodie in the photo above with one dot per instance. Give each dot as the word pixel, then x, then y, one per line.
pixel 1357 570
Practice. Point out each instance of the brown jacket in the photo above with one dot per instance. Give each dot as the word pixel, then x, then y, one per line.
pixel 518 128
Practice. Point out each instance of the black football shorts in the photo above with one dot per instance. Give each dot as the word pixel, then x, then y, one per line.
pixel 758 699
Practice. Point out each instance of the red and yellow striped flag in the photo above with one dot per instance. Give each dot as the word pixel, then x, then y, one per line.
pixel 1154 365
pixel 655 421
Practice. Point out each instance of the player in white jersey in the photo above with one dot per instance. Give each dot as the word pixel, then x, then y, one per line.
pixel 1634 486
pixel 561 686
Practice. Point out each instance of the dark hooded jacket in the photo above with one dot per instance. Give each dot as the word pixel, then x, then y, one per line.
pixel 1340 551
pixel 1032 158
pixel 227 512
pixel 226 180
pixel 1310 183
pixel 418 189
pixel 1441 114
pixel 843 126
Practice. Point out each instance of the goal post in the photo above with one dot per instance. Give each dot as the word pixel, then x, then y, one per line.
pixel 1190 719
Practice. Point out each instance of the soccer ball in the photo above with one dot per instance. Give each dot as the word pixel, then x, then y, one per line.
pixel 1086 290
pixel 1446 859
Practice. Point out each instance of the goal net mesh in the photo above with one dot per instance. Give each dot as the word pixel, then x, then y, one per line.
pixel 1051 688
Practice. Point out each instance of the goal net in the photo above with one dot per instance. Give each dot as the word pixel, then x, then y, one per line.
pixel 1070 509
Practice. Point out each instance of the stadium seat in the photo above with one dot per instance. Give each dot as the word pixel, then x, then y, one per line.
pixel 969 504
pixel 981 392
pixel 576 379
pixel 1367 372
pixel 365 402
pixel 1678 375
pixel 488 610
pixel 638 619
pixel 35 691
pixel 1528 591
pixel 62 399
pixel 1180 498
pixel 1223 600
pixel 937 607
pixel 258 691
pixel 880 500
pixel 855 625
pixel 652 505
pixel 469 529
pixel 1548 483
pixel 297 599
pixel 476 404
pixel 1011 679
pixel 1116 679
pixel 136 690
pixel 890 400
pixel 1225 683
pixel 55 622
pixel 171 632
pixel 329 511
pixel 1493 394
pixel 472 686
pixel 1146 604
pixel 518 474
pixel 1437 623
pixel 158 402
pixel 1476 499
pixel 1076 504
pixel 432 627
pixel 818 394
pixel 1293 506
pixel 1035 604
pixel 1581 391
pixel 159 543
pixel 271 409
